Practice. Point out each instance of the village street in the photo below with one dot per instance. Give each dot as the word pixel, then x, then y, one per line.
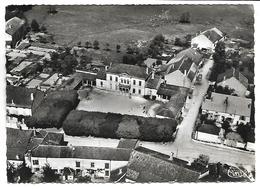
pixel 184 147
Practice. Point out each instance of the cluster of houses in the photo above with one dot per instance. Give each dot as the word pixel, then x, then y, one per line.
pixel 127 162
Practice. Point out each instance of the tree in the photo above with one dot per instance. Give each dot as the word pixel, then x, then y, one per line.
pixel 79 44
pixel 11 173
pixel 96 44
pixel 118 48
pixel 35 26
pixel 85 179
pixel 24 173
pixel 185 18
pixel 87 44
pixel 49 175
pixel 43 28
pixel 85 60
pixel 107 47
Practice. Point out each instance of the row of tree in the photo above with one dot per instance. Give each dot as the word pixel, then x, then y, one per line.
pixel 111 125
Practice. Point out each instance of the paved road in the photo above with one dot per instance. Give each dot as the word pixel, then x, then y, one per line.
pixel 186 148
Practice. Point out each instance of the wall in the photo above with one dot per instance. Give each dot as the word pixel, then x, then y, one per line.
pixel 152 92
pixel 207 137
pixel 19 111
pixel 236 118
pixel 233 83
pixel 60 163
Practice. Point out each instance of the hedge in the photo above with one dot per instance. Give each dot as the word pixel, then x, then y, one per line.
pixel 111 125
pixel 52 111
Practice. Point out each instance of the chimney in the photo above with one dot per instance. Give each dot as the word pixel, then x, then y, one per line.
pixel 32 97
pixel 153 75
pixel 12 102
pixel 185 72
pixel 147 70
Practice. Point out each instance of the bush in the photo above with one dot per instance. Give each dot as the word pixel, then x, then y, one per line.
pixel 111 125
pixel 53 109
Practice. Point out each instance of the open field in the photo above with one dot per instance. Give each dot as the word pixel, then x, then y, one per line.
pixel 105 101
pixel 121 24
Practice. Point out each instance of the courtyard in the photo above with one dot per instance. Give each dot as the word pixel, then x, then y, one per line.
pixel 98 100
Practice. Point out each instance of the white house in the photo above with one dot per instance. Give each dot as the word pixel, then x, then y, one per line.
pixel 100 160
pixel 15 30
pixel 233 79
pixel 208 133
pixel 238 109
pixel 129 79
pixel 207 40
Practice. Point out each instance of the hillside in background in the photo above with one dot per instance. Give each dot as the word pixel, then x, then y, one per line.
pixel 122 24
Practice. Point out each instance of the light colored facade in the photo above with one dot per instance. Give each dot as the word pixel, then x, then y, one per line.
pixel 207 137
pixel 77 164
pixel 125 83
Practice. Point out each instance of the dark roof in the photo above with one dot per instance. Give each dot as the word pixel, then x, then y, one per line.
pixel 23 45
pixel 251 136
pixel 153 83
pixel 232 72
pixel 191 75
pixel 82 152
pixel 150 166
pixel 165 112
pixel 127 143
pixel 13 25
pixel 209 128
pixel 131 70
pixel 17 143
pixel 212 35
pixel 101 74
pixel 182 64
pixel 191 53
pixel 21 96
pixel 168 90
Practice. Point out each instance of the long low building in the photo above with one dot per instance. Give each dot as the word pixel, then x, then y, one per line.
pixel 100 160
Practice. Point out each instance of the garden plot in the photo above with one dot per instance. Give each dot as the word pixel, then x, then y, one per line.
pixel 107 101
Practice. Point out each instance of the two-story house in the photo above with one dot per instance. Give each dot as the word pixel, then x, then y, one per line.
pixel 94 160
pixel 124 78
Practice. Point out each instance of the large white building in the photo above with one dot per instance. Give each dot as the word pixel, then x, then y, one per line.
pixel 129 79
pixel 100 160
pixel 238 109
pixel 207 40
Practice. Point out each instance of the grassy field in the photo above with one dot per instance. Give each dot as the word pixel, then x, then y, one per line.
pixel 122 24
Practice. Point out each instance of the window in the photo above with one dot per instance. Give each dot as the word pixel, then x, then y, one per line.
pixel 77 164
pixel 101 83
pixel 133 90
pixel 121 80
pixel 133 82
pixel 55 170
pixel 139 91
pixel 124 80
pixel 92 164
pixel 116 79
pixel 106 173
pixel 37 169
pixel 140 83
pixel 35 162
pixel 106 165
pixel 111 78
pixel 127 81
pixel 242 118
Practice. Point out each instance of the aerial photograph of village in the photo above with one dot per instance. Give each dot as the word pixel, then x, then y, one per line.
pixel 130 93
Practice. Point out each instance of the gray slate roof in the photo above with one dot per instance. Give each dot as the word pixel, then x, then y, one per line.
pixel 82 152
pixel 150 166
